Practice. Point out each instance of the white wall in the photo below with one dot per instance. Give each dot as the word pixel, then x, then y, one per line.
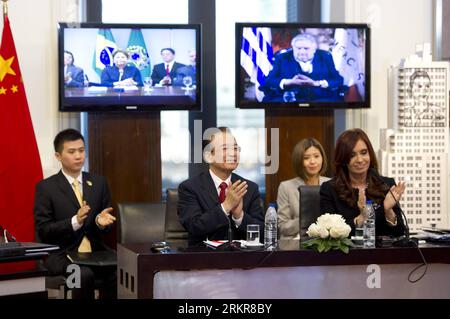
pixel 397 26
pixel 34 28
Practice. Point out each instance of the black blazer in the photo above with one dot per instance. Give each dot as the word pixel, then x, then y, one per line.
pixel 331 203
pixel 56 204
pixel 201 214
pixel 159 71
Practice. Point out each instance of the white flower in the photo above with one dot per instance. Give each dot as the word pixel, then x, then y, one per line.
pixel 323 232
pixel 340 231
pixel 313 230
pixel 330 220
pixel 329 232
pixel 329 225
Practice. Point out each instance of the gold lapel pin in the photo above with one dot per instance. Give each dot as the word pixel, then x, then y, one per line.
pixel 89 183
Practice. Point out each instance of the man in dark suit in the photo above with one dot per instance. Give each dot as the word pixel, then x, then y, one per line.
pixel 164 73
pixel 187 70
pixel 72 209
pixel 73 75
pixel 209 202
pixel 306 71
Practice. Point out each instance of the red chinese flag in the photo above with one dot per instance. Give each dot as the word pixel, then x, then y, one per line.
pixel 20 165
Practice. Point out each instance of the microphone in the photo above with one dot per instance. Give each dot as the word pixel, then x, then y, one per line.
pixel 230 245
pixel 407 241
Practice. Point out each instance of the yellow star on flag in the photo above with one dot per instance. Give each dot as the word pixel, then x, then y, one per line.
pixel 14 89
pixel 5 67
pixel 2 90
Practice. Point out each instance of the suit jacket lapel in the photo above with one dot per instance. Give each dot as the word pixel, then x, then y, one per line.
pixel 67 189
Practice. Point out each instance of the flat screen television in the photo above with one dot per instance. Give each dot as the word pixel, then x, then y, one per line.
pixel 126 67
pixel 299 65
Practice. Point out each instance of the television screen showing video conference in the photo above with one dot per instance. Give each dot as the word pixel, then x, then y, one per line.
pixel 318 66
pixel 116 67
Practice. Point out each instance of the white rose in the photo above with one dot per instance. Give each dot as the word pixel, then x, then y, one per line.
pixel 330 220
pixel 340 231
pixel 325 220
pixel 313 230
pixel 323 232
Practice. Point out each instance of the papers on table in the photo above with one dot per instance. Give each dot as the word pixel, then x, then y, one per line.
pixel 244 243
pixel 214 243
pixel 434 234
pixel 97 89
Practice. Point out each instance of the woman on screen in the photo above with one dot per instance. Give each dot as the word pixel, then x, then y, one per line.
pixel 309 162
pixel 121 74
pixel 356 180
pixel 73 75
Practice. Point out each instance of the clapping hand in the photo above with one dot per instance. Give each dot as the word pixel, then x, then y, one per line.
pixel 233 200
pixel 105 218
pixel 395 191
pixel 359 220
pixel 83 212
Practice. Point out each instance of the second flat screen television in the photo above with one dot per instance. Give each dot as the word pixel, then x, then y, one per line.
pixel 292 65
pixel 117 67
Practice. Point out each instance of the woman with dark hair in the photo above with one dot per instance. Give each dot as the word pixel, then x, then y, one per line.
pixel 356 181
pixel 73 75
pixel 121 74
pixel 309 162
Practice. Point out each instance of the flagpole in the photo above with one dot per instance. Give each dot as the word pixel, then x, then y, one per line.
pixel 5 8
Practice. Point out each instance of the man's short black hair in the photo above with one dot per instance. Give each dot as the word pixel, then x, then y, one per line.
pixel 168 49
pixel 67 135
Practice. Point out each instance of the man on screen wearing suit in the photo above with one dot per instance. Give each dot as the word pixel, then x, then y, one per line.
pixel 308 72
pixel 72 209
pixel 164 73
pixel 210 201
pixel 187 70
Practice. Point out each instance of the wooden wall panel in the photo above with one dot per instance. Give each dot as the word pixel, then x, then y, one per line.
pixel 126 149
pixel 293 126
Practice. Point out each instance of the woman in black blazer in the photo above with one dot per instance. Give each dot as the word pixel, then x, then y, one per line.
pixel 356 181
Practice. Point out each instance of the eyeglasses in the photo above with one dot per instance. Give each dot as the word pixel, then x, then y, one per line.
pixel 230 148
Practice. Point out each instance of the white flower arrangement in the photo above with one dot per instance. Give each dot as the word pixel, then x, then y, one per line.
pixel 329 232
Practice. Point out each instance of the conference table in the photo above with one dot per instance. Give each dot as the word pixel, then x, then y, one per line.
pixel 183 272
pixel 165 95
pixel 23 276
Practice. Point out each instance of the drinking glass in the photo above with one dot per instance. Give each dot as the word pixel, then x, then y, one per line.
pixel 253 234
pixel 289 96
pixel 148 84
pixel 187 81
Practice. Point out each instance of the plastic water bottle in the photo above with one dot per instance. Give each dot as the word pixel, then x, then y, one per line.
pixel 270 228
pixel 369 225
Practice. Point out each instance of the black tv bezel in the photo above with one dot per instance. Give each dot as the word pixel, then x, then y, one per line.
pixel 65 107
pixel 239 92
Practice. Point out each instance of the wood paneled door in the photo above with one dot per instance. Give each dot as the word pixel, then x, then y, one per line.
pixel 294 125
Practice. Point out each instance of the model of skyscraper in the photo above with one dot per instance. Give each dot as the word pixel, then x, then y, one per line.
pixel 415 146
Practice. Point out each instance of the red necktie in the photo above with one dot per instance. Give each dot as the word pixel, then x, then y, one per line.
pixel 222 187
pixel 167 70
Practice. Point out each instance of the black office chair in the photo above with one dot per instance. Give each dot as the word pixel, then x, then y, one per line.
pixel 141 222
pixel 174 231
pixel 309 207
